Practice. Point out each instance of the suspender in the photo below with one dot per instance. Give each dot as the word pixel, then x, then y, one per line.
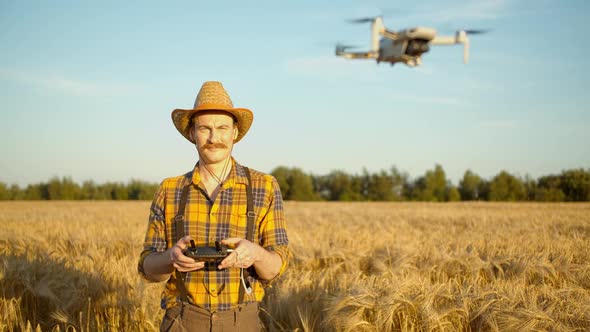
pixel 249 208
pixel 179 218
pixel 250 215
pixel 179 233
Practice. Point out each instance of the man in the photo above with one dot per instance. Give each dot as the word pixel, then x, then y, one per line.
pixel 219 200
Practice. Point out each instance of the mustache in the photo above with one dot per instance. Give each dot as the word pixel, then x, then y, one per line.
pixel 215 145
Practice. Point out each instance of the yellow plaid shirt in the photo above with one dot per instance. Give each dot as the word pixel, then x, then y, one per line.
pixel 207 221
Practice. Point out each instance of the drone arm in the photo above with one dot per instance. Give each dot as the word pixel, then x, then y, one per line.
pixel 459 38
pixel 390 34
pixel 357 55
pixel 377 29
pixel 444 40
pixel 466 51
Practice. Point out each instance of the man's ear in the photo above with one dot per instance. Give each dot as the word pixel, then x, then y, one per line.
pixel 236 132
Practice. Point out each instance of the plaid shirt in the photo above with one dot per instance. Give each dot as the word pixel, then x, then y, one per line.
pixel 207 221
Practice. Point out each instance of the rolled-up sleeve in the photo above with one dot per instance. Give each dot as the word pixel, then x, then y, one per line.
pixel 273 230
pixel 155 237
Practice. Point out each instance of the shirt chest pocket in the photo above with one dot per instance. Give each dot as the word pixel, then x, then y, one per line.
pixel 238 222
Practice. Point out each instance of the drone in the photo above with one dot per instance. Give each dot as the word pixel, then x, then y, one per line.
pixel 405 46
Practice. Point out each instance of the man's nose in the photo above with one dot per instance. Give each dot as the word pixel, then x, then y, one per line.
pixel 213 136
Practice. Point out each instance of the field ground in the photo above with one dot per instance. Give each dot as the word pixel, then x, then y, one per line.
pixel 355 267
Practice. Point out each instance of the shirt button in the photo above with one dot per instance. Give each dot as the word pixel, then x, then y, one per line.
pixel 213 290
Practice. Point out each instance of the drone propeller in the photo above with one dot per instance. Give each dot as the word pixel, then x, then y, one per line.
pixel 344 47
pixel 362 20
pixel 476 31
pixel 461 37
pixel 384 12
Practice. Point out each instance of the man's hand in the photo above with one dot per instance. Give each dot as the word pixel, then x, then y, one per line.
pixel 244 255
pixel 180 261
pixel 267 263
pixel 158 266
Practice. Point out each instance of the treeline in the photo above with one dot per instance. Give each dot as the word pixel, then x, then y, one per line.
pixel 66 189
pixel 571 186
pixel 386 185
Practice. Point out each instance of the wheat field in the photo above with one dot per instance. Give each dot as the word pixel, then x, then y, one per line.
pixel 71 266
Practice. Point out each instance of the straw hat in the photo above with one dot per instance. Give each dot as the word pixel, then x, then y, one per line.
pixel 212 96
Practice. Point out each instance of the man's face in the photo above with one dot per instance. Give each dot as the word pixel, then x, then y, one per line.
pixel 214 134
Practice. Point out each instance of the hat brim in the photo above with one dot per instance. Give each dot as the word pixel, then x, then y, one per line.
pixel 181 119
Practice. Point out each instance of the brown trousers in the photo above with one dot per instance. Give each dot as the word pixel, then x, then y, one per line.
pixel 190 318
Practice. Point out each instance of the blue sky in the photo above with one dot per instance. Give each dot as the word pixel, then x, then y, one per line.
pixel 86 89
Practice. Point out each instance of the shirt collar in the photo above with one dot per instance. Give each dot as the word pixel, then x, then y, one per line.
pixel 236 175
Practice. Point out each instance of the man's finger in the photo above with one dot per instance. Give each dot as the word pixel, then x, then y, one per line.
pixel 184 242
pixel 231 241
pixel 228 261
pixel 189 267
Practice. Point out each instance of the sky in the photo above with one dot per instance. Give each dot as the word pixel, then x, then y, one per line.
pixel 87 88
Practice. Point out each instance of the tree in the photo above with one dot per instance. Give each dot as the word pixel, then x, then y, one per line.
pixel 530 187
pixel 432 186
pixel 484 189
pixel 53 188
pixel 575 184
pixel 301 186
pixel 340 186
pixel 89 190
pixel 65 189
pixel 438 183
pixel 35 192
pixel 506 187
pixel 114 191
pixel 295 184
pixel 453 194
pixel 549 189
pixel 4 192
pixel 119 192
pixel 16 193
pixel 384 186
pixel 470 186
pixel 281 174
pixel 141 190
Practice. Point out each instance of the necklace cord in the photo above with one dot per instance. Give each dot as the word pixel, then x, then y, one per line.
pixel 219 179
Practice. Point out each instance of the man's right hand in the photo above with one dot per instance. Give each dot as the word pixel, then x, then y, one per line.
pixel 158 266
pixel 179 260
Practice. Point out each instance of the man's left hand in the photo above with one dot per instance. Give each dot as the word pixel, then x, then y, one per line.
pixel 244 255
